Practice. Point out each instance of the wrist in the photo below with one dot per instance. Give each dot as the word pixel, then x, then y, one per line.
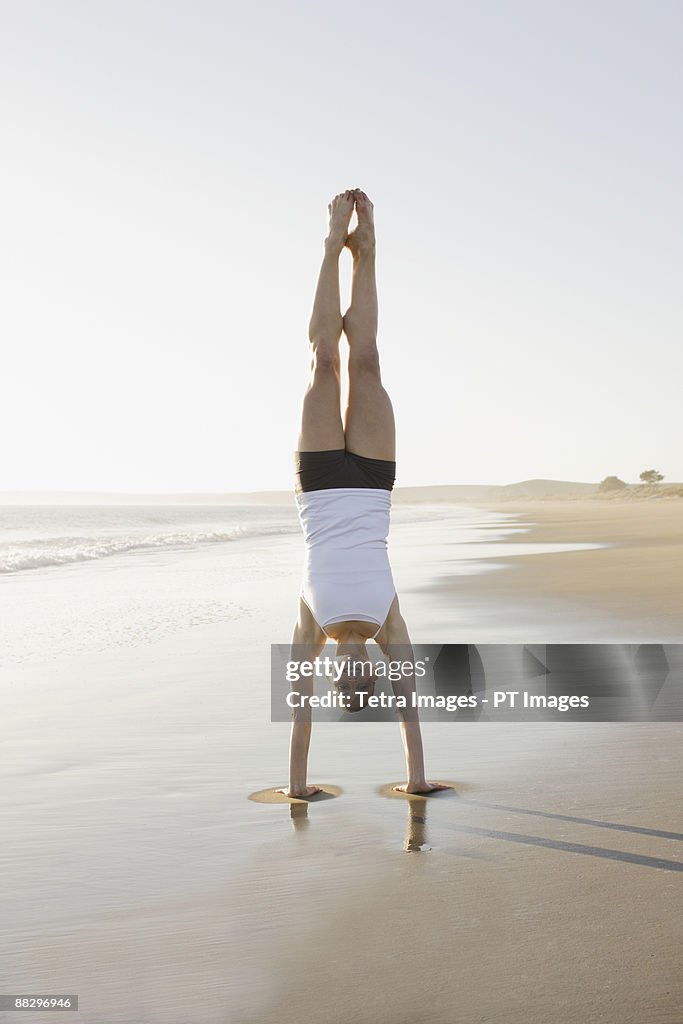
pixel 416 780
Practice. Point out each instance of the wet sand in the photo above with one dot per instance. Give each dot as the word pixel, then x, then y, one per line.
pixel 637 579
pixel 546 886
pixel 137 872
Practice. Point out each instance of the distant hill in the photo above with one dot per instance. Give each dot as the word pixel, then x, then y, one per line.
pixel 548 488
pixel 495 492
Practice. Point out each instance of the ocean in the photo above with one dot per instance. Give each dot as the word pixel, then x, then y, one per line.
pixel 91 578
pixel 39 536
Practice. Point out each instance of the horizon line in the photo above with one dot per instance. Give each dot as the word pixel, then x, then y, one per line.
pixel 35 492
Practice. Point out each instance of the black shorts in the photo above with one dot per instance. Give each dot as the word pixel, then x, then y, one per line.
pixel 320 471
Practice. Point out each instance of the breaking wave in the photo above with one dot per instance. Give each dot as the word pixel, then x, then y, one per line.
pixel 38 554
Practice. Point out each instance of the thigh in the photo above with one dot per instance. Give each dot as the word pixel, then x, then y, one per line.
pixel 321 424
pixel 369 427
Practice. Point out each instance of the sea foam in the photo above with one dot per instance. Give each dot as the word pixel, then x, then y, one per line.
pixel 54 551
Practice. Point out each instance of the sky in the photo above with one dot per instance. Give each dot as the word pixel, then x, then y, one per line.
pixel 166 169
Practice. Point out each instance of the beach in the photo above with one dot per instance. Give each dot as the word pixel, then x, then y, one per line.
pixel 137 872
pixel 286 286
pixel 634 579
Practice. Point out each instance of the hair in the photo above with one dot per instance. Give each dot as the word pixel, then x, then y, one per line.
pixel 357 676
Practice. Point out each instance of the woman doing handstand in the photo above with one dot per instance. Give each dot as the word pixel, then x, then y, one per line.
pixel 345 475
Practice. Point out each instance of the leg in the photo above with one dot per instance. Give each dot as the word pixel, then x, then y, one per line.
pixel 321 426
pixel 369 425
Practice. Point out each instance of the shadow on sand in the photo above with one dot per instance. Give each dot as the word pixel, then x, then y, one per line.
pixel 417 829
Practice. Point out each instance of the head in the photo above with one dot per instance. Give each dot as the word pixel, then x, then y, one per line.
pixel 356 675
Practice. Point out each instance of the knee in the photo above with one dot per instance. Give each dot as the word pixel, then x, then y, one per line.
pixel 365 361
pixel 325 360
pixel 357 327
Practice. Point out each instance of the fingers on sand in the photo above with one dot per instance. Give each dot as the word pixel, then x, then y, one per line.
pixel 443 789
pixel 278 796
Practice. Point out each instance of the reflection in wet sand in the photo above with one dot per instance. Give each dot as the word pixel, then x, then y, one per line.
pixel 416 836
pixel 298 806
pixel 298 812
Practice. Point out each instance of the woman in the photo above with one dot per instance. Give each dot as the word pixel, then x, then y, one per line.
pixel 345 474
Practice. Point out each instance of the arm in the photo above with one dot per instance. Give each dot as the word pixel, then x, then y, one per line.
pixel 308 641
pixel 395 644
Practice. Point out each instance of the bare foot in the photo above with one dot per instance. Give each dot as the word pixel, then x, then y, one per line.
pixel 362 240
pixel 340 211
pixel 300 794
pixel 420 787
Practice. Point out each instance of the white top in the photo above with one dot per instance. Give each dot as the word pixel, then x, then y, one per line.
pixel 346 569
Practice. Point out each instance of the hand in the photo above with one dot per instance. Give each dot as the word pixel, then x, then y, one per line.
pixel 299 794
pixel 420 787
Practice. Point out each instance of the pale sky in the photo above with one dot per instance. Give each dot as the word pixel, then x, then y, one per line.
pixel 165 173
